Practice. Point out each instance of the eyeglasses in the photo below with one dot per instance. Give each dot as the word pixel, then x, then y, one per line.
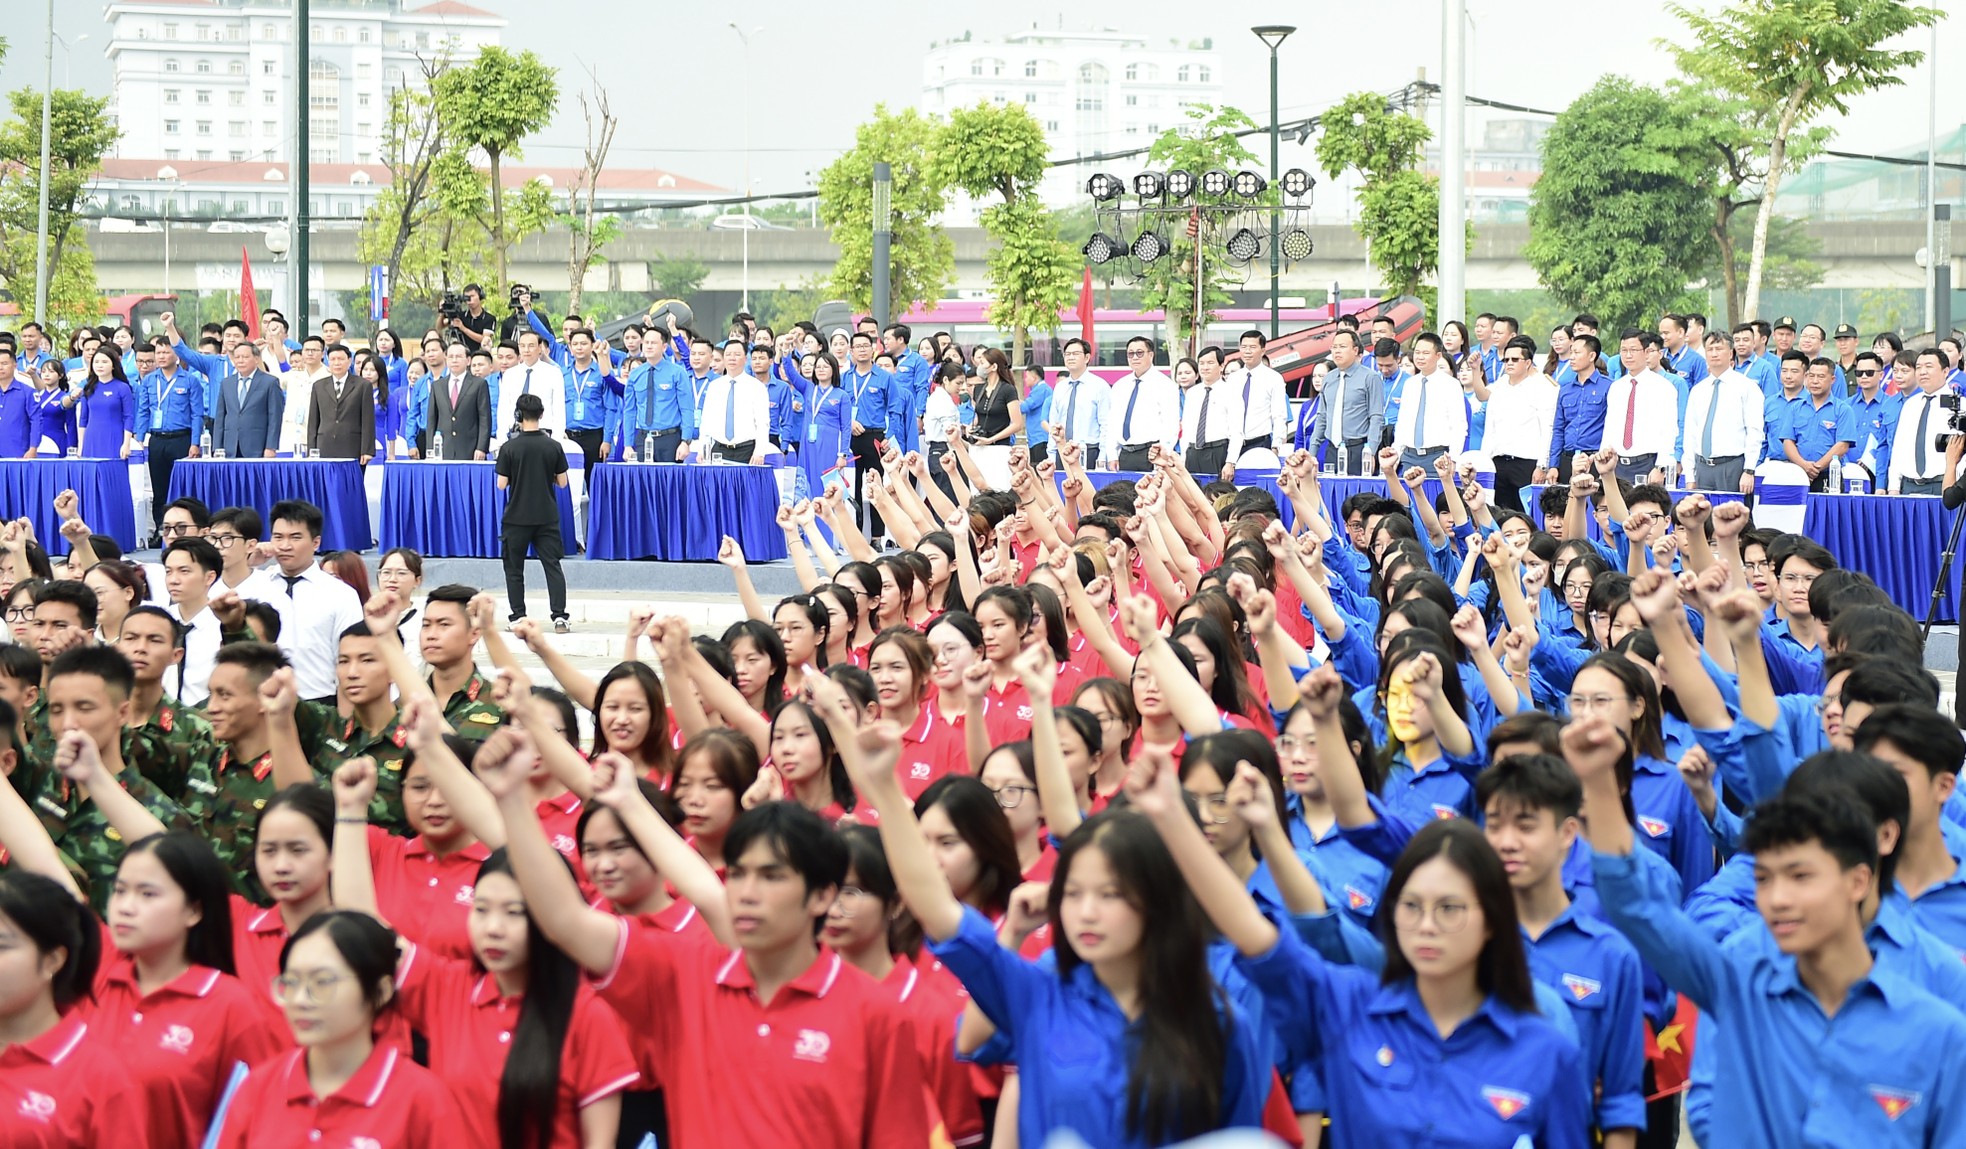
pixel 1214 808
pixel 1798 579
pixel 1514 359
pixel 1582 704
pixel 848 902
pixel 1449 917
pixel 1011 797
pixel 173 530
pixel 1287 743
pixel 20 614
pixel 222 541
pixel 1136 353
pixel 316 987
pixel 1755 565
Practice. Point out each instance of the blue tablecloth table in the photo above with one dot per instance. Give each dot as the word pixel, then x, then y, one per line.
pixel 450 509
pixel 1895 539
pixel 681 512
pixel 102 491
pixel 334 485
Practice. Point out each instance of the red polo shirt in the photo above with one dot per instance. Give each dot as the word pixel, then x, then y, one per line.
pixel 680 918
pixel 1007 713
pixel 831 1060
pixel 427 898
pixel 560 817
pixel 930 749
pixel 470 1030
pixel 390 1103
pixel 67 1089
pixel 951 1096
pixel 180 1041
pixel 258 934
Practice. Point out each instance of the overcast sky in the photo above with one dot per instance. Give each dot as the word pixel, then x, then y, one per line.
pixel 681 90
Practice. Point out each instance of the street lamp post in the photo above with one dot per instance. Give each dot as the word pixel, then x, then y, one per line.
pixel 168 176
pixel 47 129
pixel 1274 36
pixel 744 38
pixel 1453 162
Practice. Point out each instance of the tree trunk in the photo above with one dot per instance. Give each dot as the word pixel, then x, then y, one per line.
pixel 577 258
pixel 498 218
pixel 1730 277
pixel 1020 338
pixel 1777 156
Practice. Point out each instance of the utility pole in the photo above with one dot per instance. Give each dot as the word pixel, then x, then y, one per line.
pixel 1453 162
pixel 1273 35
pixel 47 131
pixel 883 237
pixel 298 265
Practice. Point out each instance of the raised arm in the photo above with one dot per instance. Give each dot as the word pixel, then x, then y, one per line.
pixel 76 760
pixel 1154 789
pixel 676 860
pixel 1057 800
pixel 351 876
pixel 513 693
pixel 27 843
pixel 1472 632
pixel 475 808
pixel 732 557
pixel 1655 593
pixel 1322 691
pixel 1191 705
pixel 795 546
pixel 484 614
pixel 576 683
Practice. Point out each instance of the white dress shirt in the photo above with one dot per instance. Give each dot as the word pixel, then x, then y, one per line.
pixel 547 382
pixel 313 613
pixel 1520 417
pixel 1444 411
pixel 202 635
pixel 1655 418
pixel 1265 407
pixel 1223 403
pixel 1737 425
pixel 1904 444
pixel 1156 414
pixel 752 422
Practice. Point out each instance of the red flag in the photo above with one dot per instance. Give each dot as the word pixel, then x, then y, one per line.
pixel 1085 309
pixel 248 298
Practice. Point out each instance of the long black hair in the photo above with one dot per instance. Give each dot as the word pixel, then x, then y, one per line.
pixel 529 1088
pixel 1502 969
pixel 656 752
pixel 1224 751
pixel 192 864
pixel 842 784
pixel 973 810
pixel 53 919
pixel 1174 1084
pixel 1230 691
pixel 770 645
pixel 1410 644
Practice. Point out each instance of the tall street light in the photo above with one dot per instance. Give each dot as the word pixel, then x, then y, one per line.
pixel 167 175
pixel 1274 35
pixel 745 39
pixel 47 129
pixel 1453 162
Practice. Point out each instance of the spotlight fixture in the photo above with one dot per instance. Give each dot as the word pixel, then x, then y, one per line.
pixel 1243 246
pixel 1180 184
pixel 1147 185
pixel 1148 246
pixel 1249 185
pixel 1101 248
pixel 1297 182
pixel 1103 187
pixel 1215 182
pixel 1296 244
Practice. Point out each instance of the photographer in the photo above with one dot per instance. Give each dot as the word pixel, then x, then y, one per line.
pixel 1923 423
pixel 476 325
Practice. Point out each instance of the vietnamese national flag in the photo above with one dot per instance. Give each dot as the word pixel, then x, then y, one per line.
pixel 1085 309
pixel 1670 1050
pixel 248 298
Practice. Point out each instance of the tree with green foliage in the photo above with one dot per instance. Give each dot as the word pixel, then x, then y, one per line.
pixel 999 150
pixel 81 136
pixel 1618 219
pixel 1399 206
pixel 922 261
pixel 405 229
pixel 1208 141
pixel 1790 61
pixel 673 278
pixel 491 105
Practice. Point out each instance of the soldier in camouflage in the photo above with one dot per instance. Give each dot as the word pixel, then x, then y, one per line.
pixel 375 729
pixel 153 641
pixel 450 633
pixel 252 708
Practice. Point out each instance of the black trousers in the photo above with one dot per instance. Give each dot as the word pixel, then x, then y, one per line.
pixel 1563 461
pixel 1136 458
pixel 1039 451
pixel 1512 473
pixel 867 457
pixel 735 452
pixel 1206 460
pixel 166 448
pixel 545 538
pixel 590 446
pixel 939 465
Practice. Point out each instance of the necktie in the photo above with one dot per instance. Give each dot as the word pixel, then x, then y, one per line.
pixel 648 414
pixel 244 383
pixel 527 389
pixel 1631 414
pixel 1248 381
pixel 1201 420
pixel 291 580
pixel 1918 460
pixel 1126 422
pixel 1071 408
pixel 1420 416
pixel 1706 435
pixel 730 412
pixel 456 384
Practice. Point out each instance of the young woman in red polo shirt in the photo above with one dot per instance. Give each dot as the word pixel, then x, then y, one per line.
pixel 944 592
pixel 717 767
pixel 900 662
pixel 757 657
pixel 863 580
pixel 62 1086
pixel 804 628
pixel 1110 702
pixel 1005 614
pixel 631 717
pixel 1010 774
pixel 166 998
pixel 342 1087
pixel 842 605
pixel 532 1056
pixel 804 766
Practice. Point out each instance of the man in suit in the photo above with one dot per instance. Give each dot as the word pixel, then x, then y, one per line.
pixel 341 413
pixel 250 405
pixel 460 407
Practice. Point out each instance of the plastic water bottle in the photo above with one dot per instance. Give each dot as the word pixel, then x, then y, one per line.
pixel 648 448
pixel 205 444
pixel 1835 484
pixel 437 445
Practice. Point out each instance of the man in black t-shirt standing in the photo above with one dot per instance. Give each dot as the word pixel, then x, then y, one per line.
pixel 530 465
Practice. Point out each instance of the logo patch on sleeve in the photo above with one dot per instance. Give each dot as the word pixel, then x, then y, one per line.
pixel 1506 1102
pixel 1655 827
pixel 1894 1102
pixel 1580 987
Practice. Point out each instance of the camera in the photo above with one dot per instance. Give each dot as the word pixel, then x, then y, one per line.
pixel 451 306
pixel 519 289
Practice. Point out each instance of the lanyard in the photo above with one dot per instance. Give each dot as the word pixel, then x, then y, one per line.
pixel 860 387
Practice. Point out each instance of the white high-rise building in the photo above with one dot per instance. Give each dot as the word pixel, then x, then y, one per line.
pixel 213 80
pixel 1092 91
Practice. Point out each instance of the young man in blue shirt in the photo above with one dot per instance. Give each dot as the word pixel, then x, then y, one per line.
pixel 1580 407
pixel 1813 1043
pixel 912 376
pixel 656 418
pixel 1925 747
pixel 1530 809
pixel 1821 427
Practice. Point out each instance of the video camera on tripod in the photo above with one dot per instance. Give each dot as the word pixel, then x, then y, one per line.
pixel 1955 417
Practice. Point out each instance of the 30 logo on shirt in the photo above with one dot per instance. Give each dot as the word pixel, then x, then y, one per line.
pixel 1894 1102
pixel 812 1045
pixel 464 895
pixel 177 1039
pixel 1506 1102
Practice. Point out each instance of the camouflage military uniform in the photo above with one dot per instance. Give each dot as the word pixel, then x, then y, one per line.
pixel 187 740
pixel 81 832
pixel 388 748
pixel 467 714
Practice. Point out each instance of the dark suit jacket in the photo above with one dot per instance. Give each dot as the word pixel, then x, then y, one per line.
pixel 343 429
pixel 249 430
pixel 468 427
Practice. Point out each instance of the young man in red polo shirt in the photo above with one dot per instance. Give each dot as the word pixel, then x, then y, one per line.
pixel 775 1042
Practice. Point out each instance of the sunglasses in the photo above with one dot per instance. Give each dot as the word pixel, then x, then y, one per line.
pixel 1514 359
pixel 1866 374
